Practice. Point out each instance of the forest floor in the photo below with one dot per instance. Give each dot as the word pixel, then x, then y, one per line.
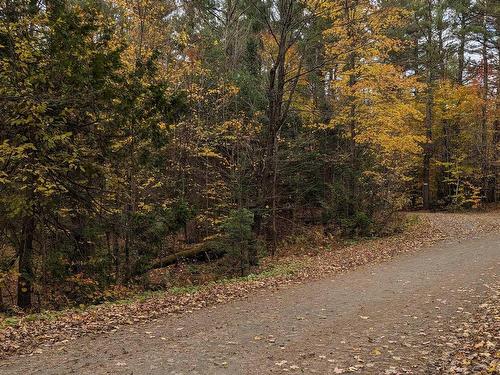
pixel 375 307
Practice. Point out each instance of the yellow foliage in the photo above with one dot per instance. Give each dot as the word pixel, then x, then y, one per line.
pixel 374 101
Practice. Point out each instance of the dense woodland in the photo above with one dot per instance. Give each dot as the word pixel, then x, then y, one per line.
pixel 132 130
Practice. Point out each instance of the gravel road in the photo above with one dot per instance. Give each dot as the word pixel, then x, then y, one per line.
pixel 388 318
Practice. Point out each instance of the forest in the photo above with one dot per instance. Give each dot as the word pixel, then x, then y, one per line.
pixel 137 133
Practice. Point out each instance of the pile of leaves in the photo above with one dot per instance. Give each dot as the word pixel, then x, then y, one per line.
pixel 479 351
pixel 28 334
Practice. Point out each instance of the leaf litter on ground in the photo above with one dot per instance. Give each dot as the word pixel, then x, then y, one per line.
pixel 28 335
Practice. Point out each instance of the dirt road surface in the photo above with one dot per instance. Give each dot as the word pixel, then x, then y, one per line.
pixel 388 318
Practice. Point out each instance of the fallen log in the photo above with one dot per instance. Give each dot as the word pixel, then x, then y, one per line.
pixel 196 252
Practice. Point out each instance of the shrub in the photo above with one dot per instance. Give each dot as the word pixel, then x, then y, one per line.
pixel 240 242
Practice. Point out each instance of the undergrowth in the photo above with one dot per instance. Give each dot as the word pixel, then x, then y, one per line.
pixel 180 277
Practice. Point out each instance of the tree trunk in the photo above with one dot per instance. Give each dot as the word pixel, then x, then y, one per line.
pixel 461 50
pixel 484 117
pixel 198 251
pixel 116 255
pixel 351 65
pixel 428 146
pixel 25 279
pixel 276 113
pixel 441 51
pixel 274 228
pixel 428 115
pixel 496 124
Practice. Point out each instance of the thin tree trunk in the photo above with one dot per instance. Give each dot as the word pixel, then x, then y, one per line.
pixel 441 52
pixel 484 117
pixel 275 114
pixel 496 124
pixel 427 148
pixel 116 255
pixel 352 138
pixel 461 50
pixel 25 279
pixel 274 194
pixel 428 115
pixel 443 187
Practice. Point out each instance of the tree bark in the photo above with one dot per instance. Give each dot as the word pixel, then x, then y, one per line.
pixel 484 114
pixel 25 252
pixel 194 252
pixel 276 113
pixel 428 146
pixel 428 114
pixel 461 49
pixel 496 123
pixel 351 65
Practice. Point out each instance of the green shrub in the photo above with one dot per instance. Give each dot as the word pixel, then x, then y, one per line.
pixel 358 224
pixel 240 242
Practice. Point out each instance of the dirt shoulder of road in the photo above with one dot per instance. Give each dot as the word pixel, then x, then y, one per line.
pixel 31 333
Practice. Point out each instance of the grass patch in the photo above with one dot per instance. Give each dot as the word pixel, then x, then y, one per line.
pixel 9 322
pixel 47 315
pixel 412 220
